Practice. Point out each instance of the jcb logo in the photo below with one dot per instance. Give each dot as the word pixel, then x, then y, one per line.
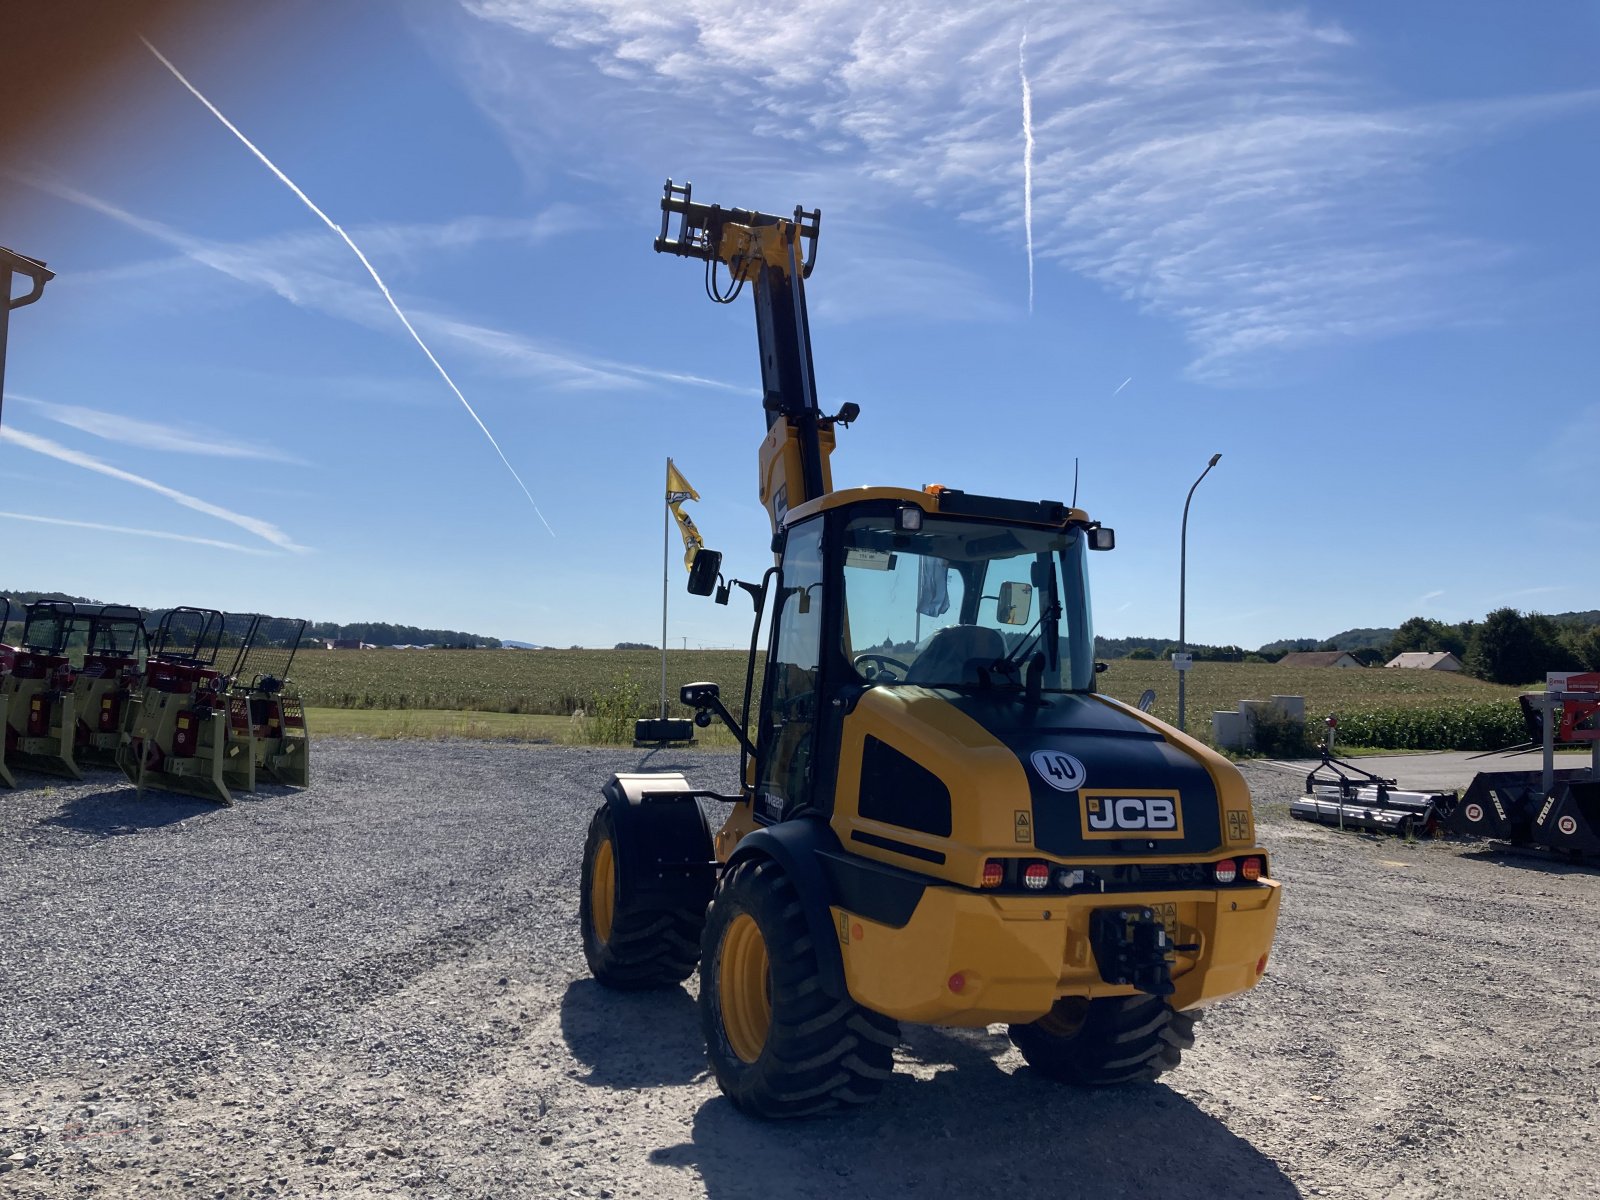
pixel 1139 814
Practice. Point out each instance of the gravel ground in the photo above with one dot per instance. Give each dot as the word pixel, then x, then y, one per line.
pixel 375 988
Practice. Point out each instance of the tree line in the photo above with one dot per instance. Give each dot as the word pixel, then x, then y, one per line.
pixel 1507 646
pixel 376 633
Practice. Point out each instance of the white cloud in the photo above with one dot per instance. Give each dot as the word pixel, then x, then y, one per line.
pixel 124 529
pixel 298 268
pixel 146 435
pixel 262 529
pixel 1225 168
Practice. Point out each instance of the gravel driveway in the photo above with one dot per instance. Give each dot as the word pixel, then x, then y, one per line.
pixel 375 988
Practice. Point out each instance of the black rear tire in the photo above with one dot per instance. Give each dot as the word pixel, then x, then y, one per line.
pixel 628 947
pixel 805 1053
pixel 1114 1040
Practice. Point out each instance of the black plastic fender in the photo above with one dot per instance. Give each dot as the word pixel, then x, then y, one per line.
pixel 662 843
pixel 797 846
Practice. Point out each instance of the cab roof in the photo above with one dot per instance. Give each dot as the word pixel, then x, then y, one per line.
pixel 950 502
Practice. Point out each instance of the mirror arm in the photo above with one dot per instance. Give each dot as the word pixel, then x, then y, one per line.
pixel 714 704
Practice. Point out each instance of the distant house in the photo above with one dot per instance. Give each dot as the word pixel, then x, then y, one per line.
pixel 1426 660
pixel 1320 658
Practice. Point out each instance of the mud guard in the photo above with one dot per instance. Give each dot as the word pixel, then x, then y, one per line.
pixel 798 846
pixel 663 844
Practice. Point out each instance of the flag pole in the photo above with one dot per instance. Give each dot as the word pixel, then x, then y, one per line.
pixel 666 529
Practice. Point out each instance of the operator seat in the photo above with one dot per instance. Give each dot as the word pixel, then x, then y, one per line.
pixel 955 654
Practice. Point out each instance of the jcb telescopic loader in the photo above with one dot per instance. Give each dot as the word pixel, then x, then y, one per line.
pixel 940 820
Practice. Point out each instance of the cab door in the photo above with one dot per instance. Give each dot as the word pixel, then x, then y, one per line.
pixel 791 695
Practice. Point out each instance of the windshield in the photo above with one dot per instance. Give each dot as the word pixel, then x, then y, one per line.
pixel 941 606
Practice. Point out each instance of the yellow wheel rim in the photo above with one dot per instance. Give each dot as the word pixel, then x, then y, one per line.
pixel 603 890
pixel 744 989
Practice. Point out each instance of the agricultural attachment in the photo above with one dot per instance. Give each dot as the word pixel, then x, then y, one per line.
pixel 112 675
pixel 1559 810
pixel 8 652
pixel 265 709
pixel 1341 794
pixel 204 730
pixel 40 713
pixel 8 655
pixel 177 726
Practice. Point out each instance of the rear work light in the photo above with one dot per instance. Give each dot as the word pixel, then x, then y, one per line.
pixel 1250 868
pixel 1225 871
pixel 994 873
pixel 1036 876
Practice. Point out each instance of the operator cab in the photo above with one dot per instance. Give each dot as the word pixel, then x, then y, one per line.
pixel 883 588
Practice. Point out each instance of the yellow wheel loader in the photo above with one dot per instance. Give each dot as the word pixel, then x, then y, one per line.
pixel 940 819
pixel 40 709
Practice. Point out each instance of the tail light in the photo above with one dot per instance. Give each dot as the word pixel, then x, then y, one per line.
pixel 1036 876
pixel 994 873
pixel 1225 871
pixel 1250 868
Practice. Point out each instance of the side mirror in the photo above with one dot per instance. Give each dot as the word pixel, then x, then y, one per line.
pixel 1015 603
pixel 699 695
pixel 1101 538
pixel 703 572
pixel 1148 700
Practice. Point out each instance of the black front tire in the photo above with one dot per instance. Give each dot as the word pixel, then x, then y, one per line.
pixel 1099 1043
pixel 815 1054
pixel 628 947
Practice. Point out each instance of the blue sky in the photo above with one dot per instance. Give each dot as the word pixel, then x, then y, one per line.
pixel 1351 247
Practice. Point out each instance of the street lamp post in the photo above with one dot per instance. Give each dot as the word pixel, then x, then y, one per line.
pixel 1183 571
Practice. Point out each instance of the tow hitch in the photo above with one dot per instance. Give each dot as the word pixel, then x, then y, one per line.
pixel 1131 947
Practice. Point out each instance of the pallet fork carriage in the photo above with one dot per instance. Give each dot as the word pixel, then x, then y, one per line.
pixel 948 826
pixel 40 710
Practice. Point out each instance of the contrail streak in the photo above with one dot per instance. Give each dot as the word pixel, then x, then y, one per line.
pixel 149 533
pixel 1027 158
pixel 376 278
pixel 1123 384
pixel 265 530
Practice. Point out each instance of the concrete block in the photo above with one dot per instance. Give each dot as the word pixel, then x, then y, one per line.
pixel 1228 730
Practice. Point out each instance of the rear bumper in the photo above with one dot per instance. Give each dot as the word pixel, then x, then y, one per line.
pixel 1017 955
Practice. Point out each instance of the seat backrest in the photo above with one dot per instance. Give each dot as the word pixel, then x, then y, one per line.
pixel 955 654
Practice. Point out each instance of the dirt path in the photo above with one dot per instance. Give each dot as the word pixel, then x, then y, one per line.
pixel 375 989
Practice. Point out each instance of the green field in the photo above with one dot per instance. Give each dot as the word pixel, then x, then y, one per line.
pixel 617 685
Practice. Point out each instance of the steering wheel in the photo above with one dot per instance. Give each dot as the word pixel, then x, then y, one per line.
pixel 878 666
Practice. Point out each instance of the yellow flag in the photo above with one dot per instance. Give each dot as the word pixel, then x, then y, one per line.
pixel 679 490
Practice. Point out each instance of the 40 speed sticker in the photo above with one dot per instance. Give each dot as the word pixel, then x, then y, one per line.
pixel 1474 813
pixel 1568 825
pixel 1059 769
